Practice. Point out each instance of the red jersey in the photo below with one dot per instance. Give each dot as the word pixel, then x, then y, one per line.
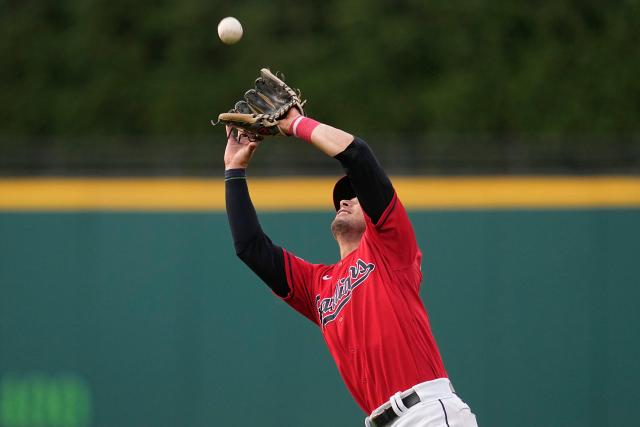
pixel 369 309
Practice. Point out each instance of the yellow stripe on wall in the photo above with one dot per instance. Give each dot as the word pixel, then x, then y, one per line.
pixel 178 194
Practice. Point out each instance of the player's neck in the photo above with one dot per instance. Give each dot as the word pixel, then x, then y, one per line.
pixel 348 245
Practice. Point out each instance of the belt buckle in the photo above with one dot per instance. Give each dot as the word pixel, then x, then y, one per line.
pixel 380 409
pixel 386 414
pixel 381 416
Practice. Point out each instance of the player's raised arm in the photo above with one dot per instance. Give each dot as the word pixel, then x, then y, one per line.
pixel 369 181
pixel 252 245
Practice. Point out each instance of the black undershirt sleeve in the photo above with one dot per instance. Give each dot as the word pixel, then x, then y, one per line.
pixel 252 246
pixel 369 181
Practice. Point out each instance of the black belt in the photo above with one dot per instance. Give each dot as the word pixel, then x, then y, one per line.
pixel 388 415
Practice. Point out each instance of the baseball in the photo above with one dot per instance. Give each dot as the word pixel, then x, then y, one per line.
pixel 230 30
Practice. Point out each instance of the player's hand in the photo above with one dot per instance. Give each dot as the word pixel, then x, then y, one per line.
pixel 285 123
pixel 239 150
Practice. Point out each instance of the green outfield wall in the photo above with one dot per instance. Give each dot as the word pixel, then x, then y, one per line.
pixel 148 319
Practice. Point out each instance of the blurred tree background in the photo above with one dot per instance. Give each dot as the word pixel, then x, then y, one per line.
pixel 440 86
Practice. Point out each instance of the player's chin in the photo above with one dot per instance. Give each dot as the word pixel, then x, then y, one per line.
pixel 339 225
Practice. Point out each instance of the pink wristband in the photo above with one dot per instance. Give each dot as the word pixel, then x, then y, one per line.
pixel 303 127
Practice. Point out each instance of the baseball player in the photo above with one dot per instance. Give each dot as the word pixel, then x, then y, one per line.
pixel 367 304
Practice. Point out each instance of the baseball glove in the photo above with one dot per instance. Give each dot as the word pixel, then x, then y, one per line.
pixel 262 108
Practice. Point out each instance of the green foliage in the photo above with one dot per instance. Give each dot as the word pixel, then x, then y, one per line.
pixel 98 67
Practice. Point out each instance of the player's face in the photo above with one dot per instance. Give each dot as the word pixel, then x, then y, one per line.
pixel 349 218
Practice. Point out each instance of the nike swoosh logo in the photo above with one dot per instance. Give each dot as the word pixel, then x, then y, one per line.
pixel 326 277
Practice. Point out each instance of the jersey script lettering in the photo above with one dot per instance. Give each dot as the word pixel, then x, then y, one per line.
pixel 329 308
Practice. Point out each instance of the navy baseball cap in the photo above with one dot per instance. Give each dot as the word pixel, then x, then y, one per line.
pixel 342 191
